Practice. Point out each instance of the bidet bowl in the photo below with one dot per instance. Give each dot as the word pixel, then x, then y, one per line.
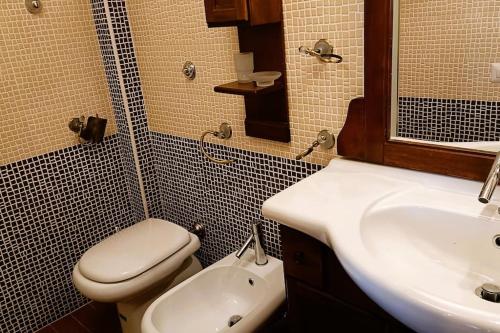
pixel 232 295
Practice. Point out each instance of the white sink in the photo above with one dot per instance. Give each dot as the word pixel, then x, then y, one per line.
pixel 206 301
pixel 418 244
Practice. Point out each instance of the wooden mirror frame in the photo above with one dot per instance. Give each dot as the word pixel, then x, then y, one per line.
pixel 365 135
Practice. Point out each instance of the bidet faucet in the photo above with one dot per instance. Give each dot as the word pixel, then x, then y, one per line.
pixel 491 182
pixel 260 255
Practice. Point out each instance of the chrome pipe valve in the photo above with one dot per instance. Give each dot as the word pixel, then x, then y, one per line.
pixel 325 139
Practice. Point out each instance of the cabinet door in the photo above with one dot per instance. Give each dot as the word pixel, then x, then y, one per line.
pixel 312 311
pixel 225 11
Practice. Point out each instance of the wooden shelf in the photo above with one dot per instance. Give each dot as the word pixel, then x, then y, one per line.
pixel 247 89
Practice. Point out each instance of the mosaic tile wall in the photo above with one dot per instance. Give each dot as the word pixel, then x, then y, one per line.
pixel 181 185
pixel 445 52
pixel 53 207
pixel 132 95
pixel 448 120
pixel 51 71
pixel 103 20
pixel 168 33
pixel 225 198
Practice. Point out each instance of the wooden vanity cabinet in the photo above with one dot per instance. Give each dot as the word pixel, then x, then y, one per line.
pixel 236 12
pixel 321 296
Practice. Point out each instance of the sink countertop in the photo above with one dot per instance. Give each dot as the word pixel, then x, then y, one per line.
pixel 398 233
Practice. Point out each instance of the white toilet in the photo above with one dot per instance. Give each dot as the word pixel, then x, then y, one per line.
pixel 135 266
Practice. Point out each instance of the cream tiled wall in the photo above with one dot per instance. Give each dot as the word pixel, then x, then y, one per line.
pixel 168 33
pixel 446 48
pixel 51 70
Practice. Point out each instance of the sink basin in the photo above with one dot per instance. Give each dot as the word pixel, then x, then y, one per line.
pixel 417 244
pixel 232 295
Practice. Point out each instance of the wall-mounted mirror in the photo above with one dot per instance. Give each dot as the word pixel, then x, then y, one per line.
pixel 443 86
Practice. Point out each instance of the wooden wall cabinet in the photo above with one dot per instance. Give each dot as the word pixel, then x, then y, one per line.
pixel 236 12
pixel 321 296
pixel 260 30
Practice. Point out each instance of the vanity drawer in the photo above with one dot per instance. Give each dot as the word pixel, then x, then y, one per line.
pixel 303 257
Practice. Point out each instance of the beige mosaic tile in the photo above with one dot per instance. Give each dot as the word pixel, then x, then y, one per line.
pixel 51 71
pixel 446 48
pixel 168 33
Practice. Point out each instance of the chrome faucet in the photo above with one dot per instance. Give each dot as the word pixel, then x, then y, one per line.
pixel 491 182
pixel 260 255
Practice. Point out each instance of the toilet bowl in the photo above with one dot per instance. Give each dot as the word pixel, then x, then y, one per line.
pixel 135 266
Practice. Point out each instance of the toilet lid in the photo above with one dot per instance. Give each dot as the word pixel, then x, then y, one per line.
pixel 132 251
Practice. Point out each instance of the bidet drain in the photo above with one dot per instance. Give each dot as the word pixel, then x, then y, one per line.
pixel 489 292
pixel 233 320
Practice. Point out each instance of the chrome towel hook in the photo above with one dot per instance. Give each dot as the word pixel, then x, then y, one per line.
pixel 225 132
pixel 323 51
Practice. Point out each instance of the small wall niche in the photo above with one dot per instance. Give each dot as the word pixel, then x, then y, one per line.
pixel 260 30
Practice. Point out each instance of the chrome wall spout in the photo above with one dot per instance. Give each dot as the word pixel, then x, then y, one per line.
pixel 491 182
pixel 260 255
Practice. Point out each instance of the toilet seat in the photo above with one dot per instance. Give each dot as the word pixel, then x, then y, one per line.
pixel 132 251
pixel 138 282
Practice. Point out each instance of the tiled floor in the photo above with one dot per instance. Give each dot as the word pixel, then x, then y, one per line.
pixel 103 318
pixel 92 318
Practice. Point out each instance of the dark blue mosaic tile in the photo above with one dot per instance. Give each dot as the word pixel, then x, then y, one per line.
pixel 53 208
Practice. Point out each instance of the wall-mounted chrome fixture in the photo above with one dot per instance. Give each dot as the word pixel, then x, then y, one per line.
pixel 199 230
pixel 225 132
pixel 325 139
pixel 323 51
pixel 189 70
pixel 33 6
pixel 93 131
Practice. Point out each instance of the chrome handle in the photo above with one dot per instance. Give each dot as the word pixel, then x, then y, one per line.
pixel 225 132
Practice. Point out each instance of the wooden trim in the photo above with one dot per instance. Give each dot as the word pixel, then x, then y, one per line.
pixel 365 135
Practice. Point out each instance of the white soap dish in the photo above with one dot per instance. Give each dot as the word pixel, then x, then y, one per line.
pixel 265 79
